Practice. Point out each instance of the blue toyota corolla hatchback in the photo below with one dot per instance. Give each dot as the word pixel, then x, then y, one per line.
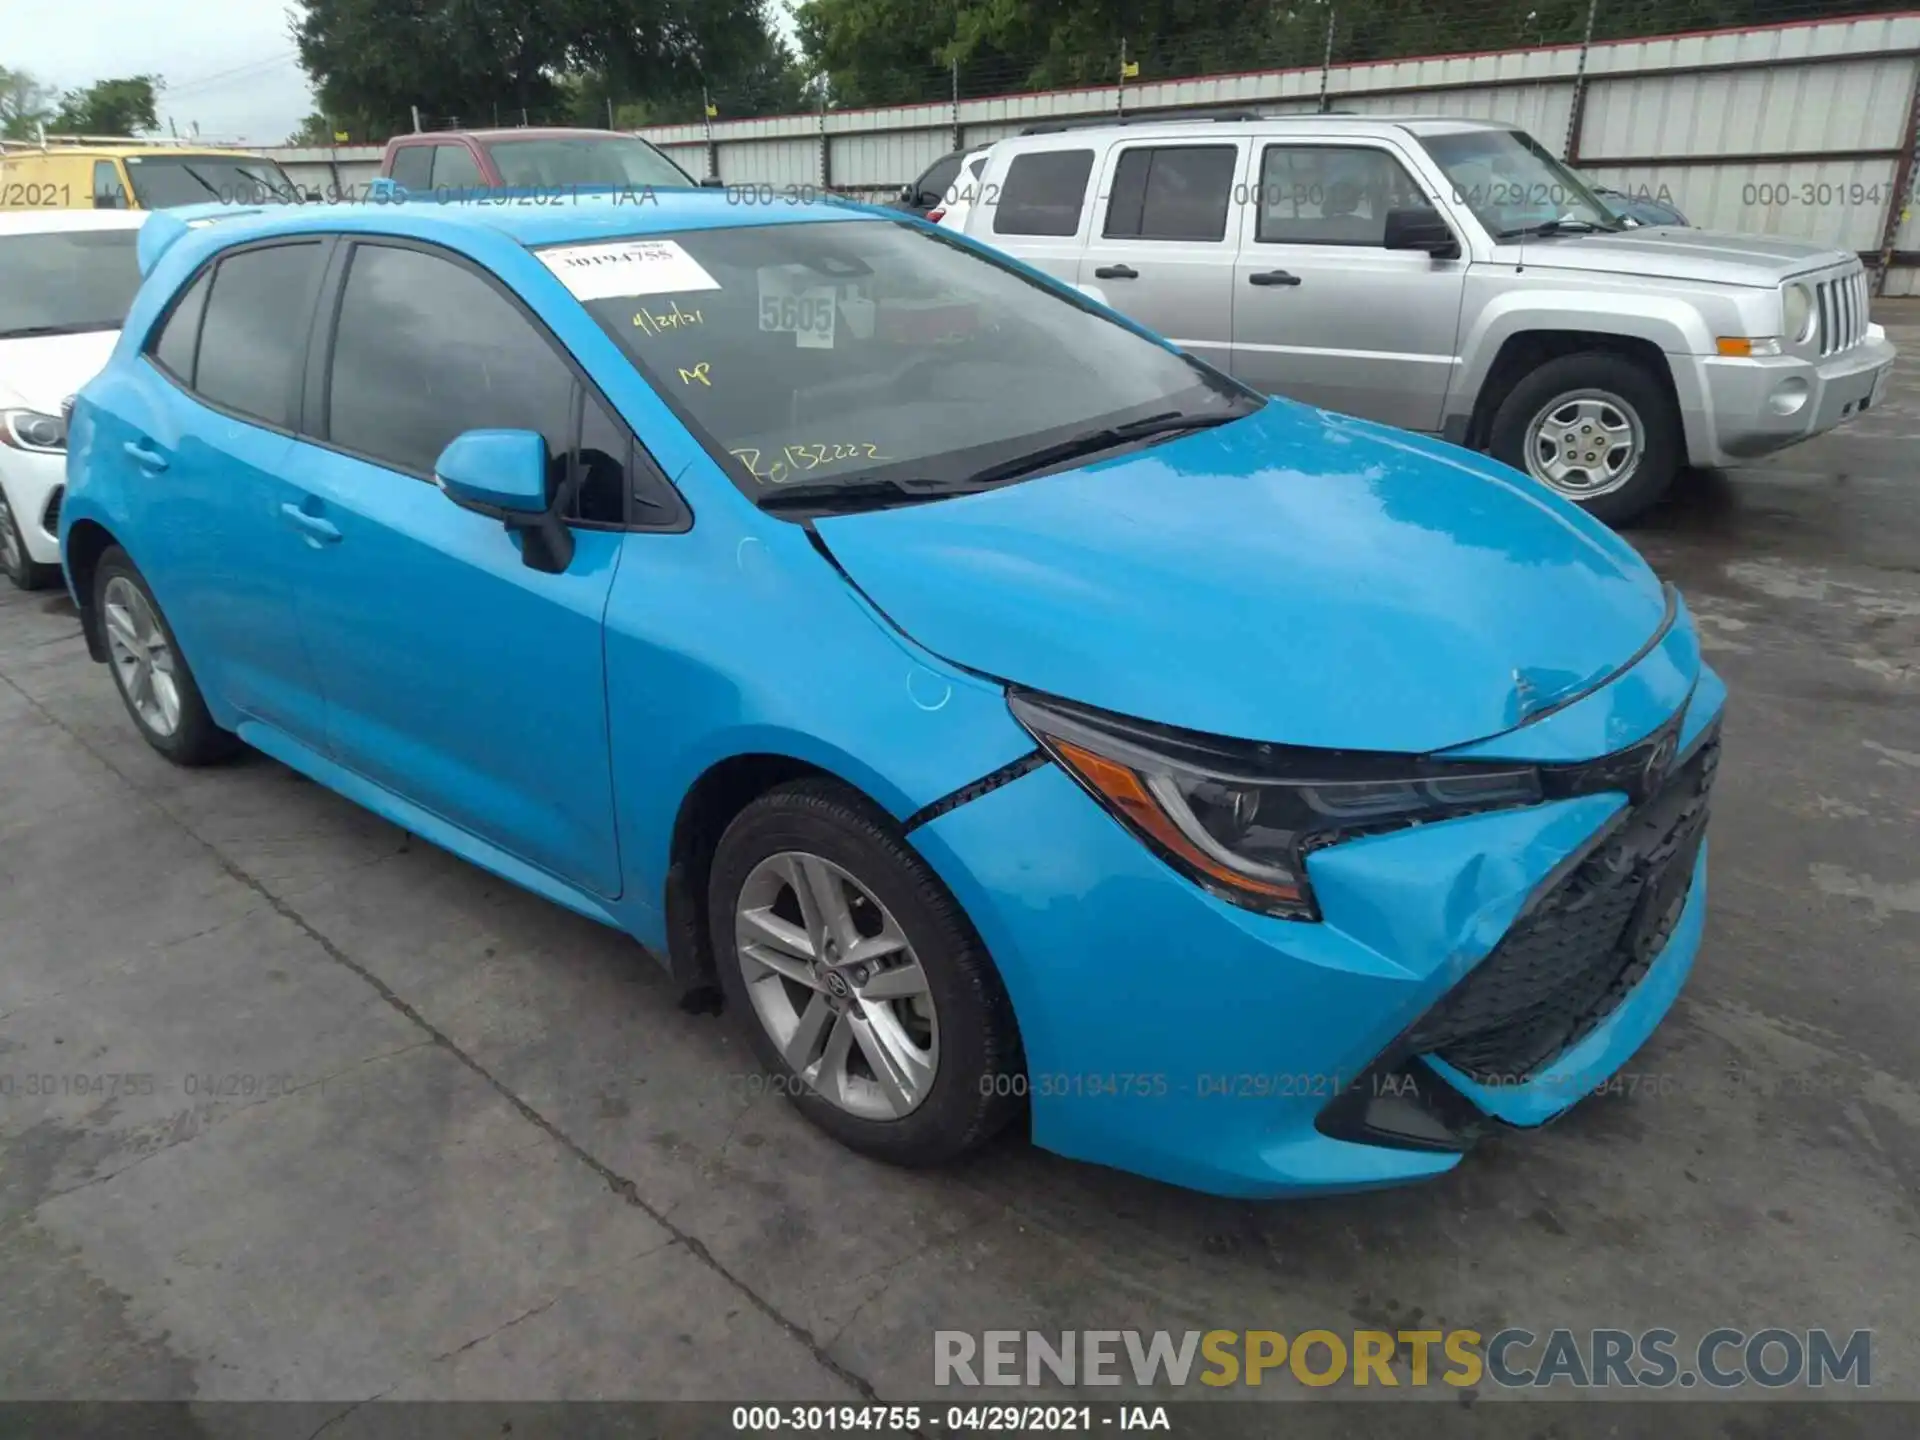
pixel 1007 711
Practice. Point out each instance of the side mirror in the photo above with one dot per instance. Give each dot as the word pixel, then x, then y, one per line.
pixel 908 195
pixel 713 182
pixel 1421 228
pixel 502 474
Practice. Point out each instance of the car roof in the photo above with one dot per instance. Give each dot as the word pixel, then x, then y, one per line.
pixel 26 150
pixel 1330 122
pixel 520 132
pixel 553 216
pixel 50 222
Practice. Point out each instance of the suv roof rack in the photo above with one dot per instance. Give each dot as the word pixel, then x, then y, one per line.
pixel 159 142
pixel 1054 127
pixel 1161 117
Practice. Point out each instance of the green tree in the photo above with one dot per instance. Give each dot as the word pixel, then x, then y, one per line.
pixel 552 59
pixel 125 106
pixel 878 52
pixel 25 104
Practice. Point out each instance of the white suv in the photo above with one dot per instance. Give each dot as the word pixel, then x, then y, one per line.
pixel 66 280
pixel 1449 276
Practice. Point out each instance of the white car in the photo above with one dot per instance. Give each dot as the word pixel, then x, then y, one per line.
pixel 952 215
pixel 66 280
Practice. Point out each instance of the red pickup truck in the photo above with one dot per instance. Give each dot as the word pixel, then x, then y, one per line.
pixel 528 158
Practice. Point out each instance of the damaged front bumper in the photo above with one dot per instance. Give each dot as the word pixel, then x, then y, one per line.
pixel 1487 970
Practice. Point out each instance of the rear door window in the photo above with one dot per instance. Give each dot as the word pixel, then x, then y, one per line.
pixel 1044 193
pixel 1171 192
pixel 253 340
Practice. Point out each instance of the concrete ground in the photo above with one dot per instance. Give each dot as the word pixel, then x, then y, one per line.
pixel 336 1116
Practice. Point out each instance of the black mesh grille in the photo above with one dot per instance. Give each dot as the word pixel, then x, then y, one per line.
pixel 50 517
pixel 1574 956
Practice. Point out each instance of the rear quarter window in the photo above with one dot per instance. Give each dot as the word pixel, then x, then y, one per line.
pixel 178 340
pixel 1044 193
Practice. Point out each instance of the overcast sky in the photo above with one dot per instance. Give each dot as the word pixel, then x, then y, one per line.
pixel 229 65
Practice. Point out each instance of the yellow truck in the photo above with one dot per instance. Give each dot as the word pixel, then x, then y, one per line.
pixel 108 172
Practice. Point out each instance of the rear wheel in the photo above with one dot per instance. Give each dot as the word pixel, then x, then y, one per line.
pixel 858 979
pixel 15 562
pixel 1595 427
pixel 148 669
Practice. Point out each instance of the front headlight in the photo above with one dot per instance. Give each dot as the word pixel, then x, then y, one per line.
pixel 1240 818
pixel 32 430
pixel 1798 303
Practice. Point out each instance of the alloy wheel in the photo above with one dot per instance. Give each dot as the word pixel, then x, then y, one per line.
pixel 1584 444
pixel 143 661
pixel 837 985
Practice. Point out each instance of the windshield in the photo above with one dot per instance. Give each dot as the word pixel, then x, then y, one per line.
pixel 66 282
pixel 843 353
pixel 163 180
pixel 619 160
pixel 1513 185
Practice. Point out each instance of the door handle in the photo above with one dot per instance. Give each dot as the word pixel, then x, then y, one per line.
pixel 1273 277
pixel 145 456
pixel 317 530
pixel 1116 272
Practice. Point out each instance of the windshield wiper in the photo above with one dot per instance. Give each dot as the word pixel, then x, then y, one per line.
pixel 1091 442
pixel 204 183
pixel 1567 225
pixel 860 494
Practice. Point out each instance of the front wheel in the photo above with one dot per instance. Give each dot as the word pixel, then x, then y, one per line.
pixel 1596 427
pixel 858 979
pixel 15 563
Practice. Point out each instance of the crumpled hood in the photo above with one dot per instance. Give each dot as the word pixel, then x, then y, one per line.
pixel 39 372
pixel 1296 577
pixel 1673 253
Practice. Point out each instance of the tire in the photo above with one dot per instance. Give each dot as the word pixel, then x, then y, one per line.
pixel 977 1070
pixel 1591 386
pixel 15 563
pixel 192 738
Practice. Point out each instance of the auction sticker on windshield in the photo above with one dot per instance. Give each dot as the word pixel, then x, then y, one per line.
pixel 631 267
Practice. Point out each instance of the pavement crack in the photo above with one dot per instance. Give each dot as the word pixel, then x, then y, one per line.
pixel 619 1184
pixel 541 1308
pixel 335 1419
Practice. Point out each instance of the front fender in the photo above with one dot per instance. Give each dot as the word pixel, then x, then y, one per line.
pixel 1671 323
pixel 726 642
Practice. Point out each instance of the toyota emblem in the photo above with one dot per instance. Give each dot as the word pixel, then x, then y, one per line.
pixel 837 984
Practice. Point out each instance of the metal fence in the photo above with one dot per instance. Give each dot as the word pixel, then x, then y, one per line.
pixel 1803 128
